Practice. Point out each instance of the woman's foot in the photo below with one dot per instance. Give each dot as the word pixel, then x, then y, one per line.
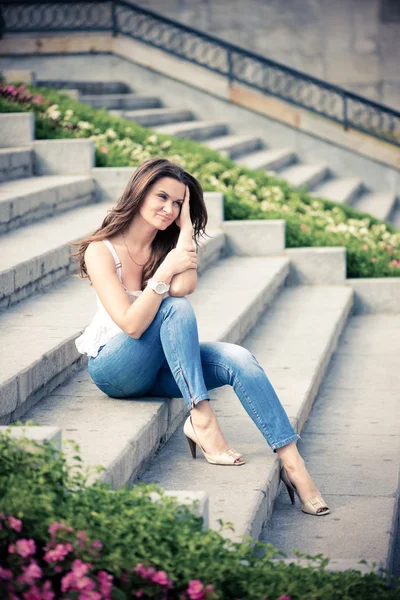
pixel 207 429
pixel 297 472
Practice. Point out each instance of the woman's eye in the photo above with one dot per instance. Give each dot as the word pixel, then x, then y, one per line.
pixel 162 196
pixel 178 203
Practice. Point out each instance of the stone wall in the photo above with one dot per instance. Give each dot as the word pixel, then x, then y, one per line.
pixel 353 43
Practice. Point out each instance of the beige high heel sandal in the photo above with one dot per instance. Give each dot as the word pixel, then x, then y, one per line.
pixel 224 458
pixel 314 506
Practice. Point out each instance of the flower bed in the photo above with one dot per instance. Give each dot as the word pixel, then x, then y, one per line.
pixel 373 246
pixel 63 538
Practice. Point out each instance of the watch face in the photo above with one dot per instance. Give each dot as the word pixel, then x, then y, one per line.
pixel 160 287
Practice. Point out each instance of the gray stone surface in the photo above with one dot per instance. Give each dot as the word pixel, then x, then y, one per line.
pixel 376 295
pixel 317 265
pixel 36 434
pixel 64 157
pixel 352 449
pixel 286 335
pixel 30 199
pixel 16 129
pixel 15 163
pixel 255 238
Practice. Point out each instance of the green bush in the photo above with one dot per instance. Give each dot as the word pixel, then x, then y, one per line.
pixel 373 246
pixel 39 490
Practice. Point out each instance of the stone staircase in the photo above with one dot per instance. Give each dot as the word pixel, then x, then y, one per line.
pixel 251 300
pixel 247 150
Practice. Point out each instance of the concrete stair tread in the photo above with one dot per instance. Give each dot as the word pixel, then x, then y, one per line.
pixel 299 175
pixel 265 158
pixel 352 449
pixel 378 204
pixel 340 189
pixel 124 435
pixel 293 342
pixel 36 239
pixel 156 111
pixel 121 102
pixel 235 144
pixel 177 128
pixel 15 150
pixel 28 185
pixel 88 97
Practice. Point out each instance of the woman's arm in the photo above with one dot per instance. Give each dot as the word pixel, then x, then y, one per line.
pixel 184 283
pixel 133 318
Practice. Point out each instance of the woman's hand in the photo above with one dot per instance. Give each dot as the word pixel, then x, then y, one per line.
pixel 176 261
pixel 184 221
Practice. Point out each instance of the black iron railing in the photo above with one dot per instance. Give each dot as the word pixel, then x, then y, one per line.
pixel 237 64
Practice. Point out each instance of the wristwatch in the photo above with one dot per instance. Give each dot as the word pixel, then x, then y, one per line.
pixel 158 286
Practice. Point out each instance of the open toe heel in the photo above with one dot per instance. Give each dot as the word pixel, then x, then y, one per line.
pixel 314 506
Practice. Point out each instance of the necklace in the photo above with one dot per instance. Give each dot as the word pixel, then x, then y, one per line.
pixel 130 254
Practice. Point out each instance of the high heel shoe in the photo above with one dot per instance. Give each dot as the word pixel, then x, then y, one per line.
pixel 313 506
pixel 224 458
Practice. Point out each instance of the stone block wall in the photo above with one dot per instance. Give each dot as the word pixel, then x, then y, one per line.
pixel 353 43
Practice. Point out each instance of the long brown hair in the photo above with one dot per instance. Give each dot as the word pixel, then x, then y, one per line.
pixel 128 205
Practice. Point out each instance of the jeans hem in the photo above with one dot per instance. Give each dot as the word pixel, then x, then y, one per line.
pixel 195 401
pixel 288 440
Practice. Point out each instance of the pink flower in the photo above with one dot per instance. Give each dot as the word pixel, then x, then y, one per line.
pixel 58 553
pixel 103 149
pixel 81 535
pixel 5 574
pixel 395 262
pixel 139 594
pixel 89 595
pixel 54 527
pixel 373 259
pixel 105 581
pixel 195 590
pixel 162 578
pixel 80 568
pixel 30 573
pixel 284 597
pixel 33 594
pixel 97 544
pixel 47 591
pixel 365 247
pixel 15 524
pixel 23 547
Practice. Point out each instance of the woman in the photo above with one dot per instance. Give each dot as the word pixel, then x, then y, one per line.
pixel 143 340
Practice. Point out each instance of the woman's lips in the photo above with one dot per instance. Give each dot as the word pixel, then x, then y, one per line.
pixel 164 217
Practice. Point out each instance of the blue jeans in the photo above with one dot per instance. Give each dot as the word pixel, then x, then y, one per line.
pixel 168 360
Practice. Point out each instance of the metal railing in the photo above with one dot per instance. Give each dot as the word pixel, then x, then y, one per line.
pixel 237 64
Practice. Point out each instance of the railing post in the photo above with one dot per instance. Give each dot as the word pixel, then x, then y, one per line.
pixel 345 116
pixel 114 18
pixel 230 66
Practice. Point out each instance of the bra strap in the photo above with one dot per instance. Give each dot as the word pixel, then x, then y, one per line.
pixel 115 255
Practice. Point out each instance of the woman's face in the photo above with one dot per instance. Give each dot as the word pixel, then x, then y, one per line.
pixel 162 203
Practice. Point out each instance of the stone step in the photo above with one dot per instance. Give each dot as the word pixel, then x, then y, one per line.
pixel 35 257
pixel 156 116
pixel 27 200
pixel 272 159
pixel 308 175
pixel 293 342
pixel 379 204
pixel 195 130
pixel 341 189
pixel 38 349
pixel 352 450
pixel 122 436
pixel 235 145
pixel 88 87
pixel 121 101
pixel 15 163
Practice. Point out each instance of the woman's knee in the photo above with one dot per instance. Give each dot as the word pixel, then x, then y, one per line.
pixel 239 357
pixel 179 304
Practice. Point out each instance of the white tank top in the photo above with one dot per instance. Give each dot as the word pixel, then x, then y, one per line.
pixel 102 328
